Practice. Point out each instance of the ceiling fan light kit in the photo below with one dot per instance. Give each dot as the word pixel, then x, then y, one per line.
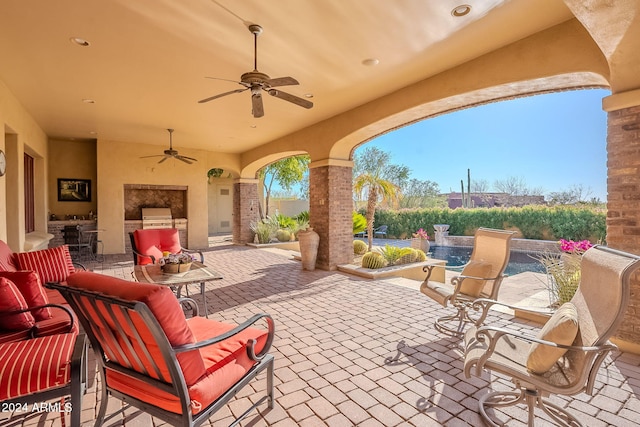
pixel 172 153
pixel 256 82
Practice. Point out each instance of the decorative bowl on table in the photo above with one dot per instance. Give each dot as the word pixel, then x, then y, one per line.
pixel 176 263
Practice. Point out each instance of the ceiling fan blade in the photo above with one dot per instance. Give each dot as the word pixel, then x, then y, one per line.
pixel 157 155
pixel 256 102
pixel 186 159
pixel 282 81
pixel 211 98
pixel 291 98
pixel 165 158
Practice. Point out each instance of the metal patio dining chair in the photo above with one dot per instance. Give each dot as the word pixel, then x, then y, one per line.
pixel 564 357
pixel 480 277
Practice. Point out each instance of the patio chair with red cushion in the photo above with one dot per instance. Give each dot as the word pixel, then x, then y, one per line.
pixel 149 244
pixel 153 358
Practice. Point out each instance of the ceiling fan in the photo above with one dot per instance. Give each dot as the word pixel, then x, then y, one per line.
pixel 172 153
pixel 258 82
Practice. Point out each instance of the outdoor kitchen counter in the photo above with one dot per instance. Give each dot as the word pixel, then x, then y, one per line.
pixel 55 227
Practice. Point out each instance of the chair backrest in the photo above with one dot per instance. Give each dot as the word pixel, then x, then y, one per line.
pixel 493 247
pixel 603 294
pixel 132 330
pixel 154 241
pixel 71 234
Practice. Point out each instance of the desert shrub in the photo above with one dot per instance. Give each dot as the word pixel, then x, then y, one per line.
pixel 534 222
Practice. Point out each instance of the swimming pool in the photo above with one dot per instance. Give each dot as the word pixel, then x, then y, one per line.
pixel 519 261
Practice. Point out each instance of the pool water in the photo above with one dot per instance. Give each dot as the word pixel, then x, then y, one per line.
pixel 519 261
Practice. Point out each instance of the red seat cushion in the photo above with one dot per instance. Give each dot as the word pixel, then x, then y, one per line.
pixel 162 303
pixel 52 265
pixel 155 241
pixel 12 300
pixel 35 365
pixel 226 362
pixel 28 283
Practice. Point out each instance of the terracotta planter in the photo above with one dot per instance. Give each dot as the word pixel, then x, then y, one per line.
pixel 309 241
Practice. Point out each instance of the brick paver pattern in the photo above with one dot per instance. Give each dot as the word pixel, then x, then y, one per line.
pixel 353 352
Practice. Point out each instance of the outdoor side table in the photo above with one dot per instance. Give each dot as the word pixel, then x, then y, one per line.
pixel 198 273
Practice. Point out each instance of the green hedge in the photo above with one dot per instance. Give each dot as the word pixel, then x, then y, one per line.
pixel 533 222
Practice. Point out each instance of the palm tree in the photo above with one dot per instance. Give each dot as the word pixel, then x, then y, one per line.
pixel 375 175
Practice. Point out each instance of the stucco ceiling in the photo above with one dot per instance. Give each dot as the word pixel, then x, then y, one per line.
pixel 146 64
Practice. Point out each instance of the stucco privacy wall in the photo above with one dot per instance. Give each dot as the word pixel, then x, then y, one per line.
pixel 20 134
pixel 119 163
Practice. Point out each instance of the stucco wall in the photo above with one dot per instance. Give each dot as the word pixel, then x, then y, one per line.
pixel 119 163
pixel 71 159
pixel 21 134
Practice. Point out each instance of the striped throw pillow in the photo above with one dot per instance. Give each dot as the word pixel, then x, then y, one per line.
pixel 52 265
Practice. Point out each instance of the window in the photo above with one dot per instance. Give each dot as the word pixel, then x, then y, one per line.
pixel 29 197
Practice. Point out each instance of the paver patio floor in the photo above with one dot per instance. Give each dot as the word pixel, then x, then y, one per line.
pixel 354 352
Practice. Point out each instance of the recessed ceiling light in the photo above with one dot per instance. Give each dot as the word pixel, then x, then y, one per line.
pixel 308 95
pixel 88 101
pixel 461 10
pixel 93 132
pixel 370 62
pixel 80 41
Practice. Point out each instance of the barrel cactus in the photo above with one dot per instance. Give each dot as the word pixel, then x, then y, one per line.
pixel 359 247
pixel 408 255
pixel 283 235
pixel 420 255
pixel 373 260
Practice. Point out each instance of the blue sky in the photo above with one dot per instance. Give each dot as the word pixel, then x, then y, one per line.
pixel 550 141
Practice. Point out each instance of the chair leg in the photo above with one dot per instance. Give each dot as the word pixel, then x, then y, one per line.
pixel 103 400
pixel 460 319
pixel 533 399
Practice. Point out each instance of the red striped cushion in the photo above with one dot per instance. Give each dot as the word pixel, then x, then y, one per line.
pixel 14 336
pixel 28 283
pixel 12 300
pixel 35 365
pixel 53 264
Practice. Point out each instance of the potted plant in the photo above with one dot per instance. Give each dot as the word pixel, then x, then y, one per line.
pixel 175 263
pixel 420 241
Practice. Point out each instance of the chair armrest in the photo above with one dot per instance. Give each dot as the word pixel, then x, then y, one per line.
pixel 190 304
pixel 485 304
pixel 458 280
pixel 153 259
pixel 235 331
pixel 189 251
pixel 493 333
pixel 37 307
pixel 79 266
pixel 429 269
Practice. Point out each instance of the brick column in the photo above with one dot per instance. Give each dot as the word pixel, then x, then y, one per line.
pixel 330 211
pixel 623 199
pixel 245 209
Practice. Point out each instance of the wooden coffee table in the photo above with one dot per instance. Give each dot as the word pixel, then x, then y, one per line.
pixel 198 273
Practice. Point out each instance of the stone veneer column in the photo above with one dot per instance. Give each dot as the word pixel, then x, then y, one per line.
pixel 623 199
pixel 245 209
pixel 330 211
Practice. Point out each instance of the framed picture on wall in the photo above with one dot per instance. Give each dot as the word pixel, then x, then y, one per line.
pixel 74 190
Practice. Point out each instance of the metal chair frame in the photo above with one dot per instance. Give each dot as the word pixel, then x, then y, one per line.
pixel 175 384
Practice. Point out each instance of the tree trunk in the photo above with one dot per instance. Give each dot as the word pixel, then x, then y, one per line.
pixel 371 211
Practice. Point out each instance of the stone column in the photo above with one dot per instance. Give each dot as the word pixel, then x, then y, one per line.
pixel 331 210
pixel 623 199
pixel 245 209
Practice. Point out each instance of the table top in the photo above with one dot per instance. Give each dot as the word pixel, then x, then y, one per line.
pixel 152 273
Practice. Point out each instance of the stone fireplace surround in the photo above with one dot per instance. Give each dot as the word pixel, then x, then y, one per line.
pixel 138 196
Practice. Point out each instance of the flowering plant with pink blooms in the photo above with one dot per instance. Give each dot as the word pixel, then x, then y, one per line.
pixel 421 234
pixel 563 270
pixel 571 247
